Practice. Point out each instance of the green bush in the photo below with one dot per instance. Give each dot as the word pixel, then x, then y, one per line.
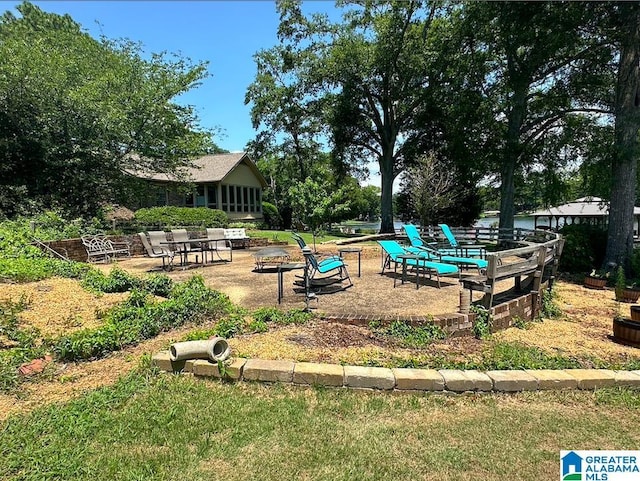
pixel 118 280
pixel 141 318
pixel 272 218
pixel 169 216
pixel 584 248
pixel 158 284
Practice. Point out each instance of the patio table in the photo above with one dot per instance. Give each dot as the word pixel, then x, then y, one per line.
pixel 347 250
pixel 271 255
pixel 184 260
pixel 418 267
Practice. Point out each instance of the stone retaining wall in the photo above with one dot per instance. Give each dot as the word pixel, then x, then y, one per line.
pixel 525 307
pixel 75 251
pixel 417 380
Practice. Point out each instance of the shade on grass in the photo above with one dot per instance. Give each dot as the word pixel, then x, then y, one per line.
pixel 178 427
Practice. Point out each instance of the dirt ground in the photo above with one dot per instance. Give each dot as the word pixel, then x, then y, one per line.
pixel 371 293
pixel 61 305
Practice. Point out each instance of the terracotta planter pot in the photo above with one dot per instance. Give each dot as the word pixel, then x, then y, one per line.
pixel 635 313
pixel 627 295
pixel 595 282
pixel 626 332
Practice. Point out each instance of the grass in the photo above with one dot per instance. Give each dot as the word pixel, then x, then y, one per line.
pixel 178 427
pixel 282 235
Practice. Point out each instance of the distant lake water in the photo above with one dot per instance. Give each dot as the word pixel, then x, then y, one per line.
pixel 521 221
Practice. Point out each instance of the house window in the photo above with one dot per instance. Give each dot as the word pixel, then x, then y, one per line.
pixel 225 198
pixel 188 199
pixel 232 199
pixel 161 196
pixel 245 199
pixel 200 199
pixel 212 197
pixel 252 199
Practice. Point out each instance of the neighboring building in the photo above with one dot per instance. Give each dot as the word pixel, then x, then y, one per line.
pixel 587 210
pixel 229 182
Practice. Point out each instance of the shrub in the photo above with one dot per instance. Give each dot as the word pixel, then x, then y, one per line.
pixel 141 318
pixel 118 280
pixel 170 216
pixel 272 218
pixel 584 248
pixel 158 284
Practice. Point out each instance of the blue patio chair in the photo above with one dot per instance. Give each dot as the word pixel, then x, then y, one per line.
pixel 392 250
pixel 467 250
pixel 418 246
pixel 303 244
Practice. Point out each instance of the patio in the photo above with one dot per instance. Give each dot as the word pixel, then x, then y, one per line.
pixel 371 293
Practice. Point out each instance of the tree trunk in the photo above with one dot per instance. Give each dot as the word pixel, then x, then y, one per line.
pixel 625 161
pixel 386 196
pixel 512 147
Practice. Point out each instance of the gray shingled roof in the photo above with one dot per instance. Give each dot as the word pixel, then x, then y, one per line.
pixel 584 207
pixel 210 168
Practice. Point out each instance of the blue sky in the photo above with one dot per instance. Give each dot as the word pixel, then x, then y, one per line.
pixel 225 33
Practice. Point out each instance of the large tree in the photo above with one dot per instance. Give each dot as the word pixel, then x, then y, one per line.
pixel 625 32
pixel 366 78
pixel 76 113
pixel 540 54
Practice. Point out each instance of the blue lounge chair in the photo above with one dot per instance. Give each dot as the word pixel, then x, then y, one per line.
pixel 392 250
pixel 465 250
pixel 323 272
pixel 418 246
pixel 303 244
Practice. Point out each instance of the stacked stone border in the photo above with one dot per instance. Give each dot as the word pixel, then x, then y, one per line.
pixel 401 379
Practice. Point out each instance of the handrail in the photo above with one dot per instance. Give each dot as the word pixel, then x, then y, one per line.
pixel 52 251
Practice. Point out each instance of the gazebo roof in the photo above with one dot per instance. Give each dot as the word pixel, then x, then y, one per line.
pixel 583 207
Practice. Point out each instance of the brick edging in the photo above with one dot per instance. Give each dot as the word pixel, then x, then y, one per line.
pixel 400 379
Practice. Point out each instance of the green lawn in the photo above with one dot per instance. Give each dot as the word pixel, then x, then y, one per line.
pixel 283 235
pixel 177 427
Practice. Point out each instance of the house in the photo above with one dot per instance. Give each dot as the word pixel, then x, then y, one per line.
pixel 586 210
pixel 229 182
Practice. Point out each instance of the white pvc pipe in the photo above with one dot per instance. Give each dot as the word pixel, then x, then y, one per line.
pixel 216 349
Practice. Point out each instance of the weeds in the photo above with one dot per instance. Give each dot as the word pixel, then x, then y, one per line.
pixel 483 322
pixel 550 308
pixel 412 336
pixel 17 345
